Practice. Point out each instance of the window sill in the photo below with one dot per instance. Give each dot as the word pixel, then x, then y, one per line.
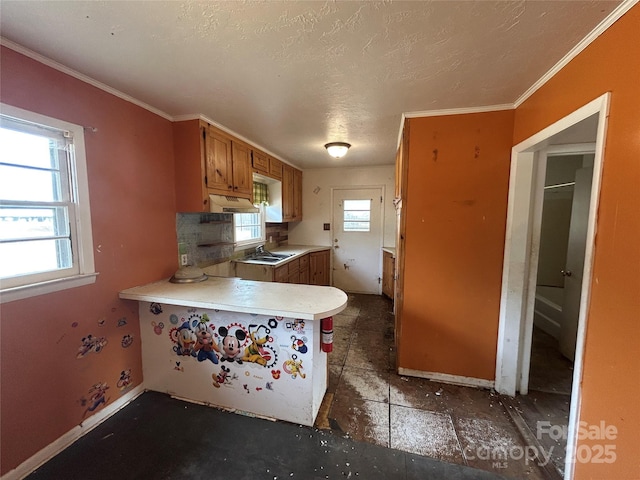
pixel 26 291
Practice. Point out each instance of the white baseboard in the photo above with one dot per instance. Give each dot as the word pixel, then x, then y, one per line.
pixel 51 450
pixel 446 378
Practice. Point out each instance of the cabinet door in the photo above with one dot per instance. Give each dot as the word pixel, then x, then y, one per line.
pixel 281 274
pixel 319 267
pixel 275 168
pixel 242 175
pixel 218 162
pixel 287 193
pixel 260 161
pixel 297 195
pixel 304 270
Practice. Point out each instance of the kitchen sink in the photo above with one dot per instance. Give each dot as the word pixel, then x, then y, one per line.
pixel 273 258
pixel 267 259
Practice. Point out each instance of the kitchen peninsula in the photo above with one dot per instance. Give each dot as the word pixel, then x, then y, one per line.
pixel 238 344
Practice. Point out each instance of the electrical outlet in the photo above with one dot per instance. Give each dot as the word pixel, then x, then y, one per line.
pixel 183 259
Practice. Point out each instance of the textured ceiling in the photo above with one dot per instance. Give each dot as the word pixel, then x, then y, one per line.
pixel 292 76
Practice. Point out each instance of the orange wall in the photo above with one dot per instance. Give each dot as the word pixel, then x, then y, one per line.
pixel 611 377
pixel 131 187
pixel 455 213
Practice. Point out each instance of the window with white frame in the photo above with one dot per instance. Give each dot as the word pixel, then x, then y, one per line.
pixel 45 224
pixel 249 227
pixel 357 216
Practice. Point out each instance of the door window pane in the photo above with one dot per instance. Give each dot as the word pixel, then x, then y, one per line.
pixel 357 215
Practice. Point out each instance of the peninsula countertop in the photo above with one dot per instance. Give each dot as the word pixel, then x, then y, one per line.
pixel 307 302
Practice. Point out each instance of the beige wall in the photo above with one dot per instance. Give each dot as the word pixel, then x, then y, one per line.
pixel 316 201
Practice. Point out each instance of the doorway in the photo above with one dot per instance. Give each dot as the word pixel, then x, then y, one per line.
pixel 357 239
pixel 524 218
pixel 562 242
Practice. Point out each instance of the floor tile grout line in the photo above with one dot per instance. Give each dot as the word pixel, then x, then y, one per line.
pixel 455 431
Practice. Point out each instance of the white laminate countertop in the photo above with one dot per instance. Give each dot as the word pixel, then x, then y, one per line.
pixel 307 302
pixel 295 251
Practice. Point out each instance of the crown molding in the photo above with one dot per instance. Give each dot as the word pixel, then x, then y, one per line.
pixel 450 111
pixel 615 15
pixel 457 111
pixel 117 93
pixel 195 116
pixel 80 76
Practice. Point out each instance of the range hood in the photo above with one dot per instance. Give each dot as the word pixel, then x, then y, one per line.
pixel 225 204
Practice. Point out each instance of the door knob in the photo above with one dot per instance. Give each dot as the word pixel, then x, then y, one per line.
pixel 565 273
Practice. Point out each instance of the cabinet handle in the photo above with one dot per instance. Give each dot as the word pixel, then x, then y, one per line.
pixel 235 187
pixel 230 187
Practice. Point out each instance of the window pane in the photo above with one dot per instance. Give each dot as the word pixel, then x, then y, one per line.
pixel 357 204
pixel 356 226
pixel 17 223
pixel 18 183
pixel 34 257
pixel 357 215
pixel 20 148
pixel 248 226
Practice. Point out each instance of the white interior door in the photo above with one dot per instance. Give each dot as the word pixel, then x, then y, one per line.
pixel 573 273
pixel 357 239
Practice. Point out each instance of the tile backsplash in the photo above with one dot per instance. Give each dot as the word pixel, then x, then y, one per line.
pixel 206 238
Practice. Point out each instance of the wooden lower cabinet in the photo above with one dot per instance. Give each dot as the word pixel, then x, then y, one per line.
pixel 281 274
pixel 310 269
pixel 319 265
pixel 304 270
pixel 388 274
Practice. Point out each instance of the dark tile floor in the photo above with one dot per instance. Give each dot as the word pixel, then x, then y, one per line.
pixel 158 437
pixel 368 401
pixel 373 424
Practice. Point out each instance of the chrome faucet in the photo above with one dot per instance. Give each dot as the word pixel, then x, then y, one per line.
pixel 260 250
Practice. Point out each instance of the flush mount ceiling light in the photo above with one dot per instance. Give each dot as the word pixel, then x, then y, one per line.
pixel 337 149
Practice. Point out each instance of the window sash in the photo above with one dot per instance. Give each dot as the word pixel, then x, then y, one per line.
pixel 254 223
pixel 356 216
pixel 49 188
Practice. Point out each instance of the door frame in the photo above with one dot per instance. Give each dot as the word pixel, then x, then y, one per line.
pixel 334 223
pixel 540 168
pixel 520 260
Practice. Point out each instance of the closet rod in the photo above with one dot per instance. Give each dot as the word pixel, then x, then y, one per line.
pixel 559 185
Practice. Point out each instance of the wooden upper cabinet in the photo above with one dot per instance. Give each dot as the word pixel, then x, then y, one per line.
pixel 291 194
pixel 260 162
pixel 242 175
pixel 218 162
pixel 227 165
pixel 287 193
pixel 402 163
pixel 275 168
pixel 297 195
pixel 191 192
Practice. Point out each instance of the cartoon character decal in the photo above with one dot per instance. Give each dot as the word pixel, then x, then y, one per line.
pixel 125 379
pixel 91 344
pixel 293 367
pixel 127 341
pixel 155 308
pixel 205 346
pixel 97 397
pixel 299 344
pixel 185 340
pixel 231 344
pixel 258 351
pixel 224 377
